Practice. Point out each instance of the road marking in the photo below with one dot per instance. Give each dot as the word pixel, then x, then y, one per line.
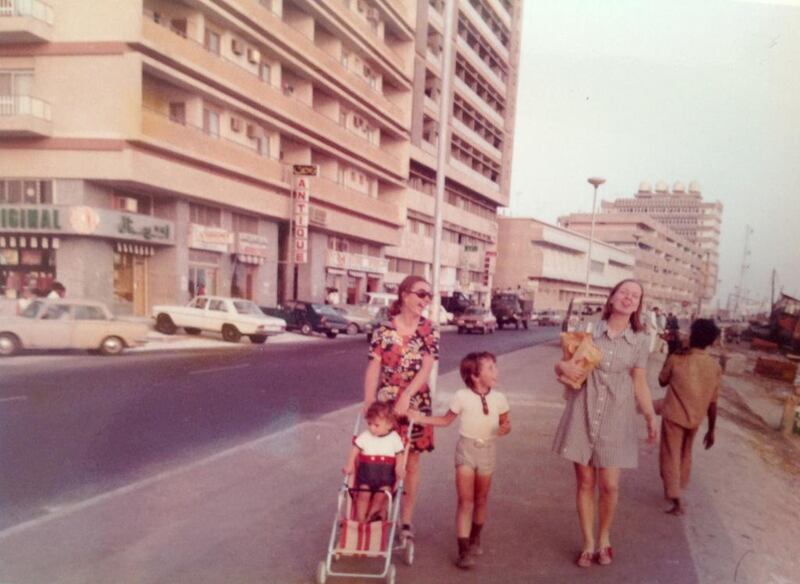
pixel 14 398
pixel 214 369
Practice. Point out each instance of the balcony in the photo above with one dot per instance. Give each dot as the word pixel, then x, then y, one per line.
pixel 290 109
pixel 24 116
pixel 159 131
pixel 474 58
pixel 479 104
pixel 466 7
pixel 25 21
pixel 477 140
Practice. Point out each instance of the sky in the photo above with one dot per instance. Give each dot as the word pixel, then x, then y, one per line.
pixel 673 90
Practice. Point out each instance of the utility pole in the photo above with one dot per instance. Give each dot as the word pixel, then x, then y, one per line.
pixel 740 290
pixel 772 293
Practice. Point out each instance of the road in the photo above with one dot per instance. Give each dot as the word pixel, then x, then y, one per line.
pixel 80 425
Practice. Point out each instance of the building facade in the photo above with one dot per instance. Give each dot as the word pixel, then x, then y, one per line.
pixel 486 44
pixel 669 266
pixel 684 212
pixel 147 145
pixel 548 263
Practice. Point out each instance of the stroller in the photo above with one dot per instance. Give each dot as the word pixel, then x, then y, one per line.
pixel 370 539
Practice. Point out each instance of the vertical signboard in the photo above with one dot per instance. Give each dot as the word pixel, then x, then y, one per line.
pixel 301 211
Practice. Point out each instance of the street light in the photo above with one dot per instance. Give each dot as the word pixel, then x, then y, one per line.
pixel 596 181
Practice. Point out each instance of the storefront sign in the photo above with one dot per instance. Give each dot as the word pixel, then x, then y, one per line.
pixel 356 262
pixel 251 245
pixel 209 238
pixel 488 266
pixel 87 221
pixel 300 211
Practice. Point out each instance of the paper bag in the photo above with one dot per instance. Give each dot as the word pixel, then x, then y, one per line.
pixel 579 350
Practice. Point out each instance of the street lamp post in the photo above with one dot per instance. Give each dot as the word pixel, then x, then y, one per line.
pixel 596 182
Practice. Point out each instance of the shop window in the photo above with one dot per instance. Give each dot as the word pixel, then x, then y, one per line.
pixel 245 224
pixel 205 215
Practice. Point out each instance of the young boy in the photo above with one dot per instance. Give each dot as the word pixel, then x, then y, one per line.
pixel 694 379
pixel 484 415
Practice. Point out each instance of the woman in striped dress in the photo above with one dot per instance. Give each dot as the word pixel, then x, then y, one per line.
pixel 598 431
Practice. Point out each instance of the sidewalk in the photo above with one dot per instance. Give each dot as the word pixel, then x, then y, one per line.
pixel 262 512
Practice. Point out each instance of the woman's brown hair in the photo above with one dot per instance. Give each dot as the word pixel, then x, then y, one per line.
pixel 636 316
pixel 404 288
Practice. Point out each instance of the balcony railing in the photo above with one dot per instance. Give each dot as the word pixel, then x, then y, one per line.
pixel 24 105
pixel 35 8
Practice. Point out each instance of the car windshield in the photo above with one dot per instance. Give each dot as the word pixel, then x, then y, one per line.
pixel 247 307
pixel 32 309
pixel 325 309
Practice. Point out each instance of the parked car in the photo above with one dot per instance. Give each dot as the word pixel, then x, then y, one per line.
pixel 456 303
pixel 69 324
pixel 309 317
pixel 582 314
pixel 356 318
pixel 233 317
pixel 549 318
pixel 477 319
pixel 378 300
pixel 445 317
pixel 509 308
pixel 380 317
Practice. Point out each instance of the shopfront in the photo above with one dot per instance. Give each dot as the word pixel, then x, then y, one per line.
pixel 207 248
pixel 101 253
pixel 354 274
pixel 250 252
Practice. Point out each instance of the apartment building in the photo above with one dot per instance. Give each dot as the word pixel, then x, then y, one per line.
pixel 670 267
pixel 147 145
pixel 486 39
pixel 548 263
pixel 684 212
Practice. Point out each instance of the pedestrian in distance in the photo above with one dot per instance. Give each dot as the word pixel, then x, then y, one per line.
pixel 673 334
pixel 57 290
pixel 402 352
pixel 484 414
pixel 694 378
pixel 597 432
pixel 378 460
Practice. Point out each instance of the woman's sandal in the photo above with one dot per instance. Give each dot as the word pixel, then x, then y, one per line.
pixel 605 556
pixel 585 559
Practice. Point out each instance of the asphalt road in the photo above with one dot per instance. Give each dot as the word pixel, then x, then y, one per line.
pixel 73 427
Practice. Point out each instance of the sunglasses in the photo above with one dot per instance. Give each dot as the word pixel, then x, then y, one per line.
pixel 422 294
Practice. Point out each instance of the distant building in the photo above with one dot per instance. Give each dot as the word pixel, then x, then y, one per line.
pixel 670 267
pixel 685 212
pixel 548 262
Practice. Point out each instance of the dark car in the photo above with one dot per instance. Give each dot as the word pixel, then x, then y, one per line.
pixel 380 317
pixel 456 304
pixel 309 317
pixel 509 308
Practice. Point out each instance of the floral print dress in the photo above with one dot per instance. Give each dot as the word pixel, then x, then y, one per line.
pixel 401 360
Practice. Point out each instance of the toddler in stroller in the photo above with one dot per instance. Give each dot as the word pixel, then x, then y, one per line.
pixel 377 458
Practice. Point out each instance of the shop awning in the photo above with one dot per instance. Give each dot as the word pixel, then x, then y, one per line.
pixel 135 249
pixel 250 259
pixel 336 271
pixel 28 242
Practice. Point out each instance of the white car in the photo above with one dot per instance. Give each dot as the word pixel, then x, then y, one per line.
pixel 233 317
pixel 69 324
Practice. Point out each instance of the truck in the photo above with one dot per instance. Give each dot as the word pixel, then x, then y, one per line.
pixel 511 308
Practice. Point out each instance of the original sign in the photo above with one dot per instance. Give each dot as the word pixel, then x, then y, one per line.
pixel 305 169
pixel 300 214
pixel 252 245
pixel 209 238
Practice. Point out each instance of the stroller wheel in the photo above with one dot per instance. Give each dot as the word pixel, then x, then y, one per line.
pixel 408 553
pixel 392 575
pixel 322 573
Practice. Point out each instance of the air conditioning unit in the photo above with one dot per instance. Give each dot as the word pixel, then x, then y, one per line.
pixel 236 124
pixel 237 47
pixel 358 121
pixel 253 131
pixel 253 55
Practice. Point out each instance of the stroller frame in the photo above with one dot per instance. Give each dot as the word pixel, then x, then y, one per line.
pixel 343 507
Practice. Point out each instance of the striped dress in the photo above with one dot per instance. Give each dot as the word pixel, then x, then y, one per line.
pixel 598 427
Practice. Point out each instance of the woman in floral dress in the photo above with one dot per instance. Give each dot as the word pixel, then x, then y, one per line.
pixel 401 356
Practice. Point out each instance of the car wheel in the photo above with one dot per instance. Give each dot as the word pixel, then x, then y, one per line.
pixel 258 339
pixel 306 329
pixel 230 333
pixel 9 344
pixel 331 334
pixel 112 346
pixel 352 329
pixel 165 325
pixel 190 330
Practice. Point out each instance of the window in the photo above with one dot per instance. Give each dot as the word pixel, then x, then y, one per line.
pixel 245 224
pixel 265 72
pixel 83 312
pixel 217 305
pixel 200 303
pixel 205 215
pixel 26 192
pixel 211 122
pixel 56 312
pixel 212 41
pixel 177 112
